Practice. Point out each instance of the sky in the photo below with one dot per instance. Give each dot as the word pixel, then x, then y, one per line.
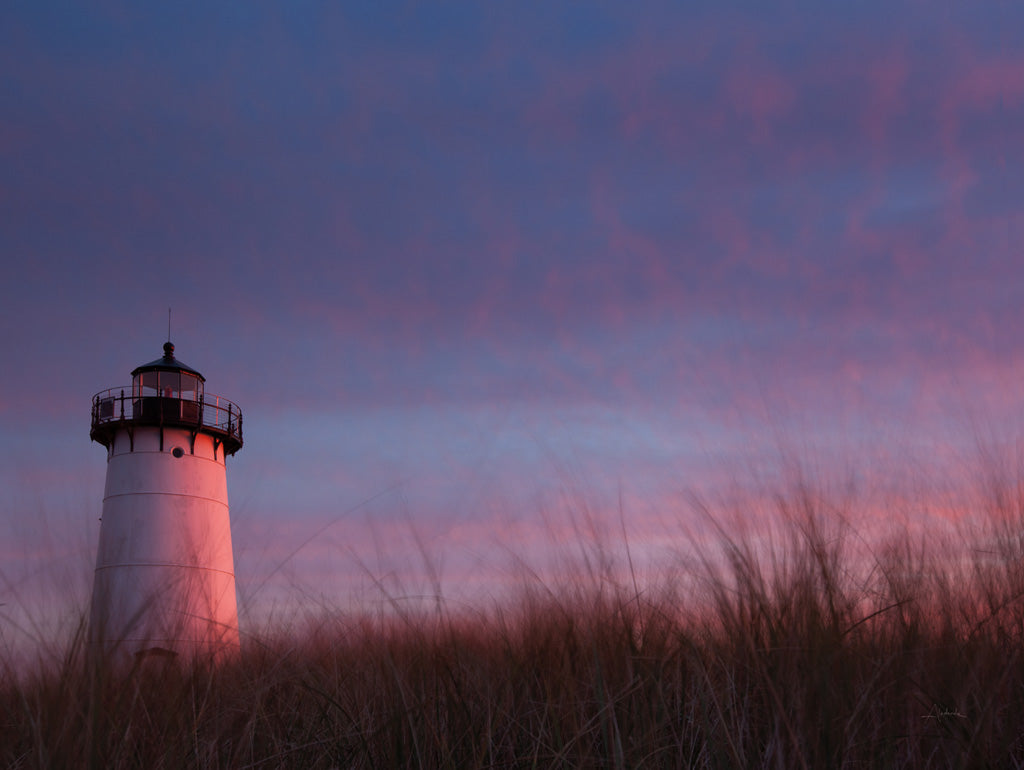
pixel 489 279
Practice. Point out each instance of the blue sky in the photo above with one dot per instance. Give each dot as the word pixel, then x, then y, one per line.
pixel 471 262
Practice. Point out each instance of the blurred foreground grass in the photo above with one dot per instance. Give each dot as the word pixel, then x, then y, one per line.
pixel 814 647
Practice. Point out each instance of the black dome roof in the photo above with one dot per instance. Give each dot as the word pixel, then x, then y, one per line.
pixel 167 364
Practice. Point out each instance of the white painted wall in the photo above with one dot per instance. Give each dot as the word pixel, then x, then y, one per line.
pixel 165 574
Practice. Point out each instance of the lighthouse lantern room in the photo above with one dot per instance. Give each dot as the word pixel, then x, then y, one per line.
pixel 165 578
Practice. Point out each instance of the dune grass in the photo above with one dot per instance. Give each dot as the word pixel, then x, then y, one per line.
pixel 809 647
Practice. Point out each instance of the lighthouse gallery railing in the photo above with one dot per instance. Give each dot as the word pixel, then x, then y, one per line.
pixel 212 412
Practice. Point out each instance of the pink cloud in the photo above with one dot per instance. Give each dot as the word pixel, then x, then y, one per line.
pixel 756 91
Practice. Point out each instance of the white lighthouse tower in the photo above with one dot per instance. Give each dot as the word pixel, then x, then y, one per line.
pixel 165 576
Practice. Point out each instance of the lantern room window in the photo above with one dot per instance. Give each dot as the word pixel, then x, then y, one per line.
pixel 167 385
pixel 191 388
pixel 146 385
pixel 170 384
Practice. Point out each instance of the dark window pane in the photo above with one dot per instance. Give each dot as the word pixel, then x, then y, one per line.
pixel 169 384
pixel 188 387
pixel 150 383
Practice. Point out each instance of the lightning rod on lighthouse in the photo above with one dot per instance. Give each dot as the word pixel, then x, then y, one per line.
pixel 165 577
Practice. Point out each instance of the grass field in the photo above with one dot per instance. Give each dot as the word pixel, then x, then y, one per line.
pixel 810 647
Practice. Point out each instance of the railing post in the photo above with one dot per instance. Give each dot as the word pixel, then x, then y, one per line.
pixel 229 418
pixel 122 403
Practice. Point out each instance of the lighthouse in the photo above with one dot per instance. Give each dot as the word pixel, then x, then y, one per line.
pixel 165 576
